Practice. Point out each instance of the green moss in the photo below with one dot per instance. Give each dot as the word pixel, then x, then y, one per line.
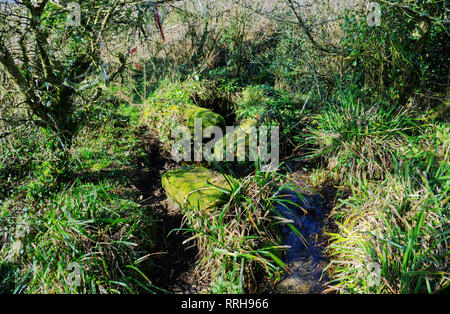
pixel 195 187
pixel 208 117
pixel 162 114
pixel 164 117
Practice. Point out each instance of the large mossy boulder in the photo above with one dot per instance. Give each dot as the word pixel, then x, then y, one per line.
pixel 176 104
pixel 208 117
pixel 196 188
pixel 166 117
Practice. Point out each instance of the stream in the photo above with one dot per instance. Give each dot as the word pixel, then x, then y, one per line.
pixel 305 258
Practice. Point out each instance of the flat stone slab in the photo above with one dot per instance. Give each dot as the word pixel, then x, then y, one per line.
pixel 196 188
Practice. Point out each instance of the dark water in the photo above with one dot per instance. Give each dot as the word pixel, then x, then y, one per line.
pixel 305 258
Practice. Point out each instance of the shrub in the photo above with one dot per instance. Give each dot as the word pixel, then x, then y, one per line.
pixel 402 57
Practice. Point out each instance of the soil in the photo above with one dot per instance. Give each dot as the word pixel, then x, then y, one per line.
pixel 174 261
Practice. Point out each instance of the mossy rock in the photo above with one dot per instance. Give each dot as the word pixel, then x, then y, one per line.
pixel 164 117
pixel 160 115
pixel 294 285
pixel 195 188
pixel 208 117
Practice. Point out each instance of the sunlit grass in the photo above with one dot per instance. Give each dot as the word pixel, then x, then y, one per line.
pixel 358 138
pixel 400 224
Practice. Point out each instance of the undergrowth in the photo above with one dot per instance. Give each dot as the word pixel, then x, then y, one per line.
pixel 88 225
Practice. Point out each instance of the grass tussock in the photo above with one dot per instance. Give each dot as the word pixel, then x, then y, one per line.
pixel 361 137
pixel 393 235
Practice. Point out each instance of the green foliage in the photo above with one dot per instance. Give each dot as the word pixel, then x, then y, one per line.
pixel 404 55
pixel 400 223
pixel 88 224
pixel 229 282
pixel 252 102
pixel 234 39
pixel 272 107
pixel 67 180
pixel 49 63
pixel 287 59
pixel 358 136
pixel 9 278
pixel 89 218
